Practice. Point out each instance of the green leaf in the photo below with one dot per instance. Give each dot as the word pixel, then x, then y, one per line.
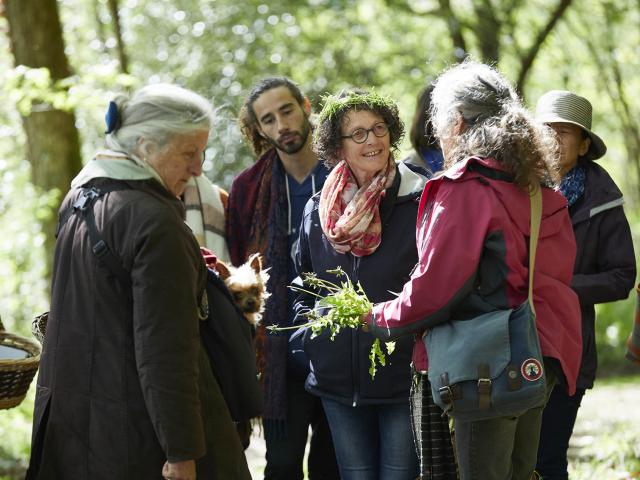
pixel 342 305
pixel 391 346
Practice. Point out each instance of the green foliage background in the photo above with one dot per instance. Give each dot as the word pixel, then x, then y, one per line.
pixel 220 48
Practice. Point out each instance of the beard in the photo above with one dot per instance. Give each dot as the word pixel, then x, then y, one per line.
pixel 292 142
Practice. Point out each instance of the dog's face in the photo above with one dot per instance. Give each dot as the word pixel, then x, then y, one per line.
pixel 247 283
pixel 248 300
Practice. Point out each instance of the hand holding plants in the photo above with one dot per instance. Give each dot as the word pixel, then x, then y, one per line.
pixel 343 305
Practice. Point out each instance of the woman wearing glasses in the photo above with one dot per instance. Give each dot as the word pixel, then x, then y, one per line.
pixel 364 222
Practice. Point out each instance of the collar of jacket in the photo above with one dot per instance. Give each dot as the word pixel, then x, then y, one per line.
pixel 411 182
pixel 407 185
pixel 148 186
pixel 600 194
pixel 454 172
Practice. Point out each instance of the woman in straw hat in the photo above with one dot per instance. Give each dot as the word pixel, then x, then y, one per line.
pixel 605 267
pixel 473 242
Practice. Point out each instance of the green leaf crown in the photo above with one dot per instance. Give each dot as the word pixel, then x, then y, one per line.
pixel 347 100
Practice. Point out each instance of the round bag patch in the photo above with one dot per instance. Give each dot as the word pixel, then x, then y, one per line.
pixel 531 369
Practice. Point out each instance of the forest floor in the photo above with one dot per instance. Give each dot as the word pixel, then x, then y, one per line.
pixel 605 444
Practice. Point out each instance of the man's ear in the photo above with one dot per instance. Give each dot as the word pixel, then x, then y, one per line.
pixel 260 132
pixel 306 106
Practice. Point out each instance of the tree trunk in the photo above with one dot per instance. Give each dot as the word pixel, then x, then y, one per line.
pixel 99 25
pixel 115 18
pixel 526 61
pixel 52 139
pixel 487 31
pixel 455 31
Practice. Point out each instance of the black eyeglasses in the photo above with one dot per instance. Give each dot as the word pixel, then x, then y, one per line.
pixel 360 135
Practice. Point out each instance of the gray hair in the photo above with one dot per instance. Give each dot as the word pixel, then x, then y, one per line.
pixel 157 113
pixel 495 124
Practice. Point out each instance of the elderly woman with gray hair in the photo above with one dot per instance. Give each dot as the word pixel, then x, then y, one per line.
pixel 473 239
pixel 125 390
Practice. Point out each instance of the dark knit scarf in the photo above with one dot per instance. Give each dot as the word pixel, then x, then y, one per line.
pixel 257 222
pixel 572 184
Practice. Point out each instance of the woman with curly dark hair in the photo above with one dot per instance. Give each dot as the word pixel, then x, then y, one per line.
pixel 473 235
pixel 363 221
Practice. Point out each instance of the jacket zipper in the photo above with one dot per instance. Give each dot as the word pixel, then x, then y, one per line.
pixel 355 360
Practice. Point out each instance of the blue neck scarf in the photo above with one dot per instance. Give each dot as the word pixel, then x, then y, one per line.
pixel 572 184
pixel 433 159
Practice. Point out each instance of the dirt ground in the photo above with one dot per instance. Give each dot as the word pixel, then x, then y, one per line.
pixel 606 441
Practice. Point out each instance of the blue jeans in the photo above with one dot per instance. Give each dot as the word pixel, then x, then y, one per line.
pixel 372 442
pixel 558 419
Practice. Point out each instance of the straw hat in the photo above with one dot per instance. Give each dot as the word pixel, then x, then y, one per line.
pixel 559 106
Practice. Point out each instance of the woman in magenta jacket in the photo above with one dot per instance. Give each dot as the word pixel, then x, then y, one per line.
pixel 473 239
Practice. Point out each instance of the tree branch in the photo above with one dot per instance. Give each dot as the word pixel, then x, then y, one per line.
pixel 404 6
pixel 487 30
pixel 455 30
pixel 508 15
pixel 115 17
pixel 611 81
pixel 527 61
pixel 445 12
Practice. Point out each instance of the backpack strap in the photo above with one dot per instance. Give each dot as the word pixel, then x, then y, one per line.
pixel 84 206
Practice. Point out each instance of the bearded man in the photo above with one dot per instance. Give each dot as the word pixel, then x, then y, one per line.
pixel 265 209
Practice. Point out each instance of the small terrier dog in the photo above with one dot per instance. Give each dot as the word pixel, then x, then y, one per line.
pixel 248 286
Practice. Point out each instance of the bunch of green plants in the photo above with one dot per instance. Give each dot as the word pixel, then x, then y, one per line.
pixel 341 305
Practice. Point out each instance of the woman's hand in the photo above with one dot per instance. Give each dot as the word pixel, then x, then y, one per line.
pixel 185 470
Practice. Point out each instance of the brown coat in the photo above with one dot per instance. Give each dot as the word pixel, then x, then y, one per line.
pixel 123 383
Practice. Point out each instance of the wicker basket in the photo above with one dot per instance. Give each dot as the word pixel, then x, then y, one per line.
pixel 16 375
pixel 39 327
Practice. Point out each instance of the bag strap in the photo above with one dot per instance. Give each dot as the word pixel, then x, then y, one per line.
pixel 536 217
pixel 84 206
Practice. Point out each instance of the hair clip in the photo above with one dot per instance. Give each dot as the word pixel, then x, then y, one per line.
pixel 112 117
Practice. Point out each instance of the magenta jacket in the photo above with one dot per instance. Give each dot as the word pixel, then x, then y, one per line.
pixel 473 242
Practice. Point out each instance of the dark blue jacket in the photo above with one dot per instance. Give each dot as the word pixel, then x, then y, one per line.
pixel 605 268
pixel 340 368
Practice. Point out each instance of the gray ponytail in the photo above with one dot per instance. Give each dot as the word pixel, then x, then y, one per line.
pixel 495 124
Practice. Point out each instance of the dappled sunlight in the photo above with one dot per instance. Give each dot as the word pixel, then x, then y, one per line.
pixel 221 48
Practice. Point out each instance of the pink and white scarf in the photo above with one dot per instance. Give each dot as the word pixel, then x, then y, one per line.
pixel 350 216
